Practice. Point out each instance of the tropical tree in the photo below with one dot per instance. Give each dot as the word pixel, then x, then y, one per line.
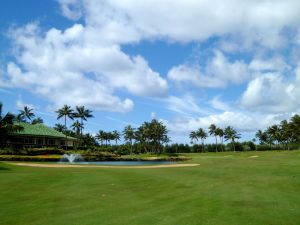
pixel 142 136
pixel 26 113
pixel 202 135
pixel 232 135
pixel 274 133
pixel 261 136
pixel 60 127
pixel 295 124
pixel 65 112
pixel 88 140
pixel 77 127
pixel 37 120
pixel 152 135
pixel 193 136
pixel 287 133
pixel 20 118
pixel 116 136
pixel 106 137
pixel 212 131
pixel 7 125
pixel 158 134
pixel 220 133
pixel 82 113
pixel 129 135
pixel 110 137
pixel 100 136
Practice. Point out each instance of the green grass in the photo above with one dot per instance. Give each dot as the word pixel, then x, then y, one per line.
pixel 222 190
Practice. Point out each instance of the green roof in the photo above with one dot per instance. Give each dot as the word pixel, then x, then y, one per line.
pixel 40 130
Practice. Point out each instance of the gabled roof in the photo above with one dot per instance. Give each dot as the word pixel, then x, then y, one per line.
pixel 40 130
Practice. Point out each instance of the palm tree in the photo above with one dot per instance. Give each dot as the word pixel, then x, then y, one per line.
pixel 110 137
pixel 220 133
pixel 100 136
pixel 157 134
pixel 231 134
pixel 212 131
pixel 274 133
pixel 60 127
pixel 83 114
pixel 287 134
pixel 77 126
pixel 202 135
pixel 7 125
pixel 141 135
pixel 37 120
pixel 193 136
pixel 129 135
pixel 20 118
pixel 116 136
pixel 65 112
pixel 26 113
pixel 295 123
pixel 262 136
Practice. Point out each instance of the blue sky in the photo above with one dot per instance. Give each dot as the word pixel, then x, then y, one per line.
pixel 186 63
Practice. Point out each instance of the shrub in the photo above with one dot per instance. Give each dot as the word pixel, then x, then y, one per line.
pixel 39 158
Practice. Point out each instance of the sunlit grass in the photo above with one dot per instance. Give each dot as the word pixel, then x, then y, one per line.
pixel 227 188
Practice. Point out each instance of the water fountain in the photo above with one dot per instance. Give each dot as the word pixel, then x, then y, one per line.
pixel 78 159
pixel 71 158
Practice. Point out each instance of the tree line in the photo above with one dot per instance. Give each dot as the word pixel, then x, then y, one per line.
pixel 281 135
pixel 229 133
pixel 153 136
pixel 150 136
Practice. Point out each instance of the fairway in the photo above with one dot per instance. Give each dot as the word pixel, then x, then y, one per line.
pixel 226 188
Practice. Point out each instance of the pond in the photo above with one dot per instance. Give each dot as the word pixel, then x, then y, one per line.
pixel 123 163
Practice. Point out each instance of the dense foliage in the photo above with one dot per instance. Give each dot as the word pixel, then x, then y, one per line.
pixel 281 136
pixel 152 137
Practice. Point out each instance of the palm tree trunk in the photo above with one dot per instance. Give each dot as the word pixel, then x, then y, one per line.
pixel 66 141
pixel 130 147
pixel 222 144
pixel 216 144
pixel 81 127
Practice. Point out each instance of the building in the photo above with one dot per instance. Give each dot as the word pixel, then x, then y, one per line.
pixel 40 135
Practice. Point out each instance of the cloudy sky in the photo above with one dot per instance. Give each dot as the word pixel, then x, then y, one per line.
pixel 188 63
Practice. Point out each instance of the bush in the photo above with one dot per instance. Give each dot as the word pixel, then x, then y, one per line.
pixel 263 147
pixel 177 148
pixel 40 158
pixel 212 147
pixel 32 151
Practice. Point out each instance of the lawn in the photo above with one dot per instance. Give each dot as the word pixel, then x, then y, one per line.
pixel 227 188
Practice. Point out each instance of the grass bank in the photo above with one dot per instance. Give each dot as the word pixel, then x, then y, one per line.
pixel 227 188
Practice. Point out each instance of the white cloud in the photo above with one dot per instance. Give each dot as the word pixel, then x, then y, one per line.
pixel 274 64
pixel 68 88
pixel 72 9
pixel 75 67
pixel 259 21
pixel 186 105
pixel 271 92
pixel 85 64
pixel 20 105
pixel 218 104
pixel 243 122
pixel 153 115
pixel 218 72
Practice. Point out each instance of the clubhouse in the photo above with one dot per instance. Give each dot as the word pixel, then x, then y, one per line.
pixel 39 135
